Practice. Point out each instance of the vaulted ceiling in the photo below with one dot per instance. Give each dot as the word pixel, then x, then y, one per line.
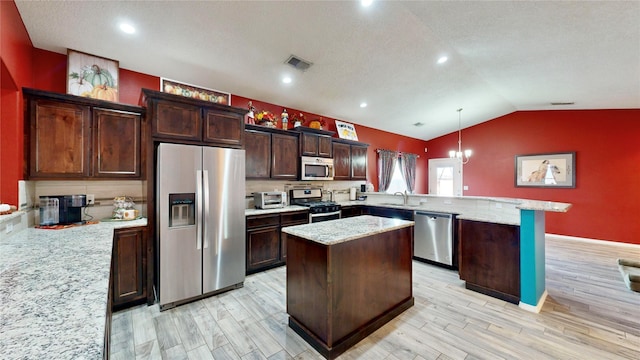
pixel 503 56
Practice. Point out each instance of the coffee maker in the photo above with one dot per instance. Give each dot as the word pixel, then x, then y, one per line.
pixel 62 209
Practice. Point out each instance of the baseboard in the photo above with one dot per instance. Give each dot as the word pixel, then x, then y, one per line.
pixel 536 309
pixel 593 241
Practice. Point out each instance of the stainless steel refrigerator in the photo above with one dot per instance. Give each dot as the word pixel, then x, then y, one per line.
pixel 200 221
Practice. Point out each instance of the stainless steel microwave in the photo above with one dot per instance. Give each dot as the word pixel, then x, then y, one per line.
pixel 314 168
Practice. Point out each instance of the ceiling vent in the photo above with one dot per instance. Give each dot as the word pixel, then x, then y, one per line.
pixel 562 103
pixel 298 63
pixel 418 124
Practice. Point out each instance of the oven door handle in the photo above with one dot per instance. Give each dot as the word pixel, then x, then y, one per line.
pixel 311 216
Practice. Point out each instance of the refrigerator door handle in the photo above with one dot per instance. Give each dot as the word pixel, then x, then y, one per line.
pixel 206 207
pixel 199 209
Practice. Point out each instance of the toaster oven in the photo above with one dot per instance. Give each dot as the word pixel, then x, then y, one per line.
pixel 270 199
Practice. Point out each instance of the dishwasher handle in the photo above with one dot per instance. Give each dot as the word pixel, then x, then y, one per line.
pixel 433 215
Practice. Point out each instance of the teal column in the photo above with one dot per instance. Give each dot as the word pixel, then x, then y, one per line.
pixel 532 253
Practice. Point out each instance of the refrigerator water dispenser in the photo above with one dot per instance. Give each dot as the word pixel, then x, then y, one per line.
pixel 182 209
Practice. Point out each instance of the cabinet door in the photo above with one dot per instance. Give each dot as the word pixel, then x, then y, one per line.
pixel 324 146
pixel 351 211
pixel 290 219
pixel 174 120
pixel 358 162
pixel 341 161
pixel 116 144
pixel 129 266
pixel 309 144
pixel 223 128
pixel 257 154
pixel 60 138
pixel 284 156
pixel 490 258
pixel 263 247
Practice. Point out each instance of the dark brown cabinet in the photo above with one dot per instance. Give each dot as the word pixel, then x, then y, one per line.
pixel 284 157
pixel 349 160
pixel 193 121
pixel 265 248
pixel 271 153
pixel 73 137
pixel 350 211
pixel 388 212
pixel 315 145
pixel 490 258
pixel 117 143
pixel 257 154
pixel 263 242
pixel 129 267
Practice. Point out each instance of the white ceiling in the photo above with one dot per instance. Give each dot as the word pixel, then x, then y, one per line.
pixel 503 56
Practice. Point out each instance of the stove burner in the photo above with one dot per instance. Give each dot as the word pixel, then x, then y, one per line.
pixel 316 207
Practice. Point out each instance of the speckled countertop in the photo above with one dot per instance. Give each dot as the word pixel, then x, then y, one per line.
pixel 478 208
pixel 341 230
pixel 53 291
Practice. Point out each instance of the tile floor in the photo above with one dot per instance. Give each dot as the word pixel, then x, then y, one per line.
pixel 589 314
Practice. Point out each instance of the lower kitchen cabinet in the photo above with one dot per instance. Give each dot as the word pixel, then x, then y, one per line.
pixel 388 212
pixel 265 248
pixel 489 258
pixel 129 267
pixel 350 211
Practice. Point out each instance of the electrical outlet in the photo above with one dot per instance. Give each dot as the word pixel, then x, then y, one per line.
pixel 91 200
pixel 9 228
pixel 448 202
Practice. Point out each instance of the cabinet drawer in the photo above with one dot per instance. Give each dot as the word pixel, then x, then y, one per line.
pixel 294 218
pixel 257 221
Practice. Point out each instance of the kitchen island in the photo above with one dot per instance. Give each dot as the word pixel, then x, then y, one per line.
pixel 346 278
pixel 53 290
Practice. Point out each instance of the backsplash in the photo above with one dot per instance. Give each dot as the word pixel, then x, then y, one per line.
pixel 340 188
pixel 103 190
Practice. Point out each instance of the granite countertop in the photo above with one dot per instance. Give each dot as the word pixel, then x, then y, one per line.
pixel 341 230
pixel 249 212
pixel 53 291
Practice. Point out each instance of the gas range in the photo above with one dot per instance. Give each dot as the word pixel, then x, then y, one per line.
pixel 312 198
pixel 317 207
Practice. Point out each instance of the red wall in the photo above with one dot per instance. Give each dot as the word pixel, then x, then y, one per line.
pixel 15 72
pixel 606 200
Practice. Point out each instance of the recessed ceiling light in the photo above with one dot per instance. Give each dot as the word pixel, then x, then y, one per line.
pixel 363 105
pixel 442 60
pixel 127 28
pixel 287 80
pixel 366 3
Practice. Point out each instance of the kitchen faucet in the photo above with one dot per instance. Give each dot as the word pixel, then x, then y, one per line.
pixel 405 196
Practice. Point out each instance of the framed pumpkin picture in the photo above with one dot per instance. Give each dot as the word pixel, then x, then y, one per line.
pixel 92 76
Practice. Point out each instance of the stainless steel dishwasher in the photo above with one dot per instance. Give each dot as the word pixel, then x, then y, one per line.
pixel 433 237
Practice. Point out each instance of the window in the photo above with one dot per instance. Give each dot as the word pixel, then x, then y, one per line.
pixel 397 181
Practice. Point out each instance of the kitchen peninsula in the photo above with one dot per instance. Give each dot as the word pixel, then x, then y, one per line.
pixel 54 288
pixel 346 278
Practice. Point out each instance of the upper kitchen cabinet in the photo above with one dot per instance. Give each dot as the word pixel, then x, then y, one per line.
pixel 117 143
pixel 73 137
pixel 181 119
pixel 271 153
pixel 314 142
pixel 349 160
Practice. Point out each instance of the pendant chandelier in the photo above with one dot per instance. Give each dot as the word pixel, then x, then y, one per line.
pixel 464 157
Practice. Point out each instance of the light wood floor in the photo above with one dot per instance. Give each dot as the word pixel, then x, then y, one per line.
pixel 589 314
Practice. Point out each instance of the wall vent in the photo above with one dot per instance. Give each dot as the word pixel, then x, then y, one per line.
pixel 298 63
